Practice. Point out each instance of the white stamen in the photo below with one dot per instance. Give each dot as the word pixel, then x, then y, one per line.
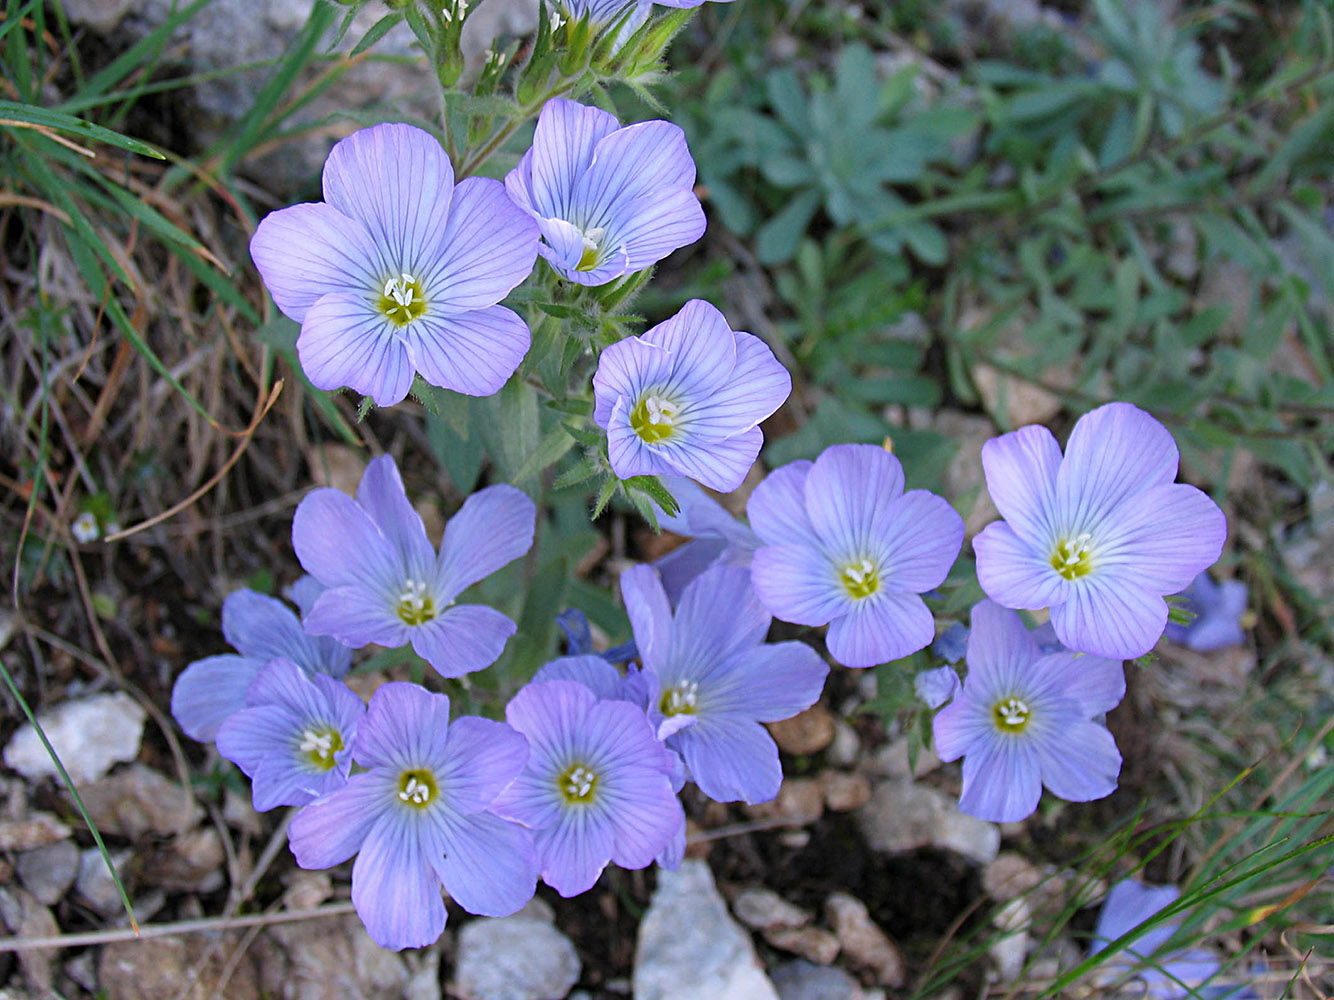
pixel 682 698
pixel 320 744
pixel 415 792
pixel 414 597
pixel 580 782
pixel 660 411
pixel 859 573
pixel 1076 549
pixel 1013 712
pixel 592 236
pixel 400 289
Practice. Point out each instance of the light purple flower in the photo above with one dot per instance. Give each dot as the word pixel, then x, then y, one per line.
pixel 716 537
pixel 597 787
pixel 1024 720
pixel 1167 977
pixel 609 200
pixel 1218 609
pixel 712 680
pixel 598 675
pixel 260 628
pixel 936 687
pixel 386 583
pixel 845 546
pixel 400 270
pixel 686 398
pixel 294 738
pixel 417 819
pixel 1099 535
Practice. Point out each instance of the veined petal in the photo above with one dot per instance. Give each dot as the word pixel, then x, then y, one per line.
pixel 650 613
pixel 1013 573
pixel 395 890
pixel 1001 781
pixel 846 490
pixel 573 852
pixel 472 352
pixel 758 386
pixel 483 757
pixel 1082 764
pixel 488 247
pixel 769 683
pixel 344 341
pixel 797 584
pixel 1021 469
pixel 648 815
pixel 1110 617
pixel 209 690
pixel 647 158
pixel 462 639
pixel 405 726
pixel 1097 685
pixel 702 346
pixel 545 714
pixel 262 627
pixel 1114 452
pixel 493 528
pixel 921 535
pixel 395 179
pixel 337 542
pixel 487 864
pixel 382 495
pixel 731 759
pixel 563 246
pixel 563 144
pixel 357 616
pixel 777 507
pixel 999 646
pixel 720 464
pixel 649 228
pixel 629 454
pixel 718 617
pixel 1163 537
pixel 307 251
pixel 962 726
pixel 880 628
pixel 332 828
pixel 626 369
pixel 593 672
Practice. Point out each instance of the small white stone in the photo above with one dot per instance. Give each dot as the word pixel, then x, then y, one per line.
pixel 514 958
pixel 90 735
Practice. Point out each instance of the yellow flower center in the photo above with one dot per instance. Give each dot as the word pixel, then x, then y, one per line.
pixel 415 604
pixel 401 300
pixel 577 783
pixel 319 744
pixel 1073 557
pixel 1011 714
pixel 592 252
pixel 860 579
pixel 417 788
pixel 654 418
pixel 683 699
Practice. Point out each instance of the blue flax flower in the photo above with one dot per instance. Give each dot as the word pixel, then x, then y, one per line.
pixel 386 583
pixel 260 628
pixel 687 397
pixel 294 738
pixel 1098 535
pixel 597 788
pixel 1218 610
pixel 416 819
pixel 1024 719
pixel 608 200
pixel 716 538
pixel 399 270
pixel 845 546
pixel 1169 976
pixel 712 680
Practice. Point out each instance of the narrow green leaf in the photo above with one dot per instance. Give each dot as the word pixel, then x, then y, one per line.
pixel 60 122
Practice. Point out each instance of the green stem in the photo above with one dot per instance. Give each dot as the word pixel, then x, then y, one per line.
pixel 489 147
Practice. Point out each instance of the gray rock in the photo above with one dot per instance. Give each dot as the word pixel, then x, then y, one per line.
pixel 39 829
pixel 903 816
pixel 690 948
pixel 336 960
pixel 760 909
pixel 800 980
pixel 27 918
pixel 138 800
pixel 812 943
pixel 95 884
pixel 520 957
pixel 155 968
pixel 48 872
pixel 90 735
pixel 862 939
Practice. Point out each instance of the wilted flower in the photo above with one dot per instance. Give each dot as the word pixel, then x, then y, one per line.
pixel 1099 535
pixel 416 819
pixel 1218 610
pixel 687 397
pixel 386 583
pixel 713 681
pixel 1023 720
pixel 400 270
pixel 845 546
pixel 609 200
pixel 261 629
pixel 294 737
pixel 597 787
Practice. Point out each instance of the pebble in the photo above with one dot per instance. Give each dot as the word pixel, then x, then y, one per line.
pixel 800 801
pixel 519 957
pixel 1010 876
pixel 138 800
pixel 806 732
pixel 689 946
pixel 301 966
pixel 91 735
pixel 903 816
pixel 194 863
pixel 846 746
pixel 812 943
pixel 48 872
pixel 800 980
pixel 157 968
pixel 845 792
pixel 306 889
pixel 1010 949
pixel 891 760
pixel 862 939
pixel 27 918
pixel 39 829
pixel 761 909
pixel 95 884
